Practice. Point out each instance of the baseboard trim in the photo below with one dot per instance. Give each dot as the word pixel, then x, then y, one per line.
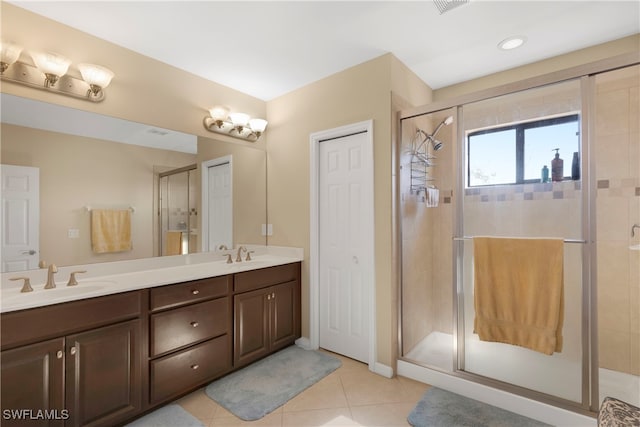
pixel 384 370
pixel 304 343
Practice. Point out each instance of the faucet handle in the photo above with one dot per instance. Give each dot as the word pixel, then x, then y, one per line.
pixel 240 250
pixel 248 258
pixel 72 278
pixel 52 269
pixel 229 260
pixel 26 286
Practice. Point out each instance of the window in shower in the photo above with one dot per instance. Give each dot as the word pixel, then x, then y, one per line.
pixel 516 154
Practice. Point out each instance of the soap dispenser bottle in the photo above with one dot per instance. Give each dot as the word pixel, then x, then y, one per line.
pixel 557 167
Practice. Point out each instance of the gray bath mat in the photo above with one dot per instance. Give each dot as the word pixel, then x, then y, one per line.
pixel 167 416
pixel 442 408
pixel 258 389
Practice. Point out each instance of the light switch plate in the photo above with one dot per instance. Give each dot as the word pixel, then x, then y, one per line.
pixel 73 233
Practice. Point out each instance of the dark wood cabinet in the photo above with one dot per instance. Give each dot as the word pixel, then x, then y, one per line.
pixel 103 384
pixel 268 318
pixel 88 378
pixel 104 361
pixel 33 380
pixel 189 336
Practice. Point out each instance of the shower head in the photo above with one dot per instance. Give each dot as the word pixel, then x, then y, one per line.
pixel 436 144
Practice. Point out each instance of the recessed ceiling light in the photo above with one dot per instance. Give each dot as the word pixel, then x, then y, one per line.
pixel 512 42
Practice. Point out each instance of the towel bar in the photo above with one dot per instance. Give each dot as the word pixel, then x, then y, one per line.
pixel 89 208
pixel 565 240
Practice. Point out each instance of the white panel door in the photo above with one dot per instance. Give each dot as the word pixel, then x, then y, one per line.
pixel 20 218
pixel 220 206
pixel 345 262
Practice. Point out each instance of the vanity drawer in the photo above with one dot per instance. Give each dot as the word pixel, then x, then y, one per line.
pixel 180 372
pixel 189 292
pixel 173 329
pixel 256 279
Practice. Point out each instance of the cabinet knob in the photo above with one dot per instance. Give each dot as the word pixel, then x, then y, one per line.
pixel 59 354
pixel 194 367
pixel 273 295
pixel 269 297
pixel 195 292
pixel 194 324
pixel 73 351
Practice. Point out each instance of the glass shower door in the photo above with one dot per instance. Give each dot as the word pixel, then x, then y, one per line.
pixel 512 188
pixel 177 212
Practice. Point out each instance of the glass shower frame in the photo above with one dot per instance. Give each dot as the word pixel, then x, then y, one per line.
pixel 585 74
pixel 186 208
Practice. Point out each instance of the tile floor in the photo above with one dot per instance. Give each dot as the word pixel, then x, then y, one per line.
pixel 349 396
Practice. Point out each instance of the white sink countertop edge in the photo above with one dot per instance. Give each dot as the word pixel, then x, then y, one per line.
pixel 123 276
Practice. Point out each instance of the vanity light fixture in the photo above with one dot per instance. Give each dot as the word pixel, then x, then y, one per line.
pixel 237 125
pixel 50 73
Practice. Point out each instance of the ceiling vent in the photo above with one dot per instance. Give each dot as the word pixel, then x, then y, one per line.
pixel 446 5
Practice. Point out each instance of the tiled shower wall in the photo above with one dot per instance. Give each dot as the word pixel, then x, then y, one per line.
pixel 617 151
pixel 427 275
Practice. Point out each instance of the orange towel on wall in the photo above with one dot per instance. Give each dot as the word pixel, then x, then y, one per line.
pixel 110 230
pixel 173 243
pixel 519 292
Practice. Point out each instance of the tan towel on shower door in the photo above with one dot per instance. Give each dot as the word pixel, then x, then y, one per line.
pixel 173 243
pixel 519 292
pixel 110 230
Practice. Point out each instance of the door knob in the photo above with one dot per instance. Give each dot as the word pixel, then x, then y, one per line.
pixel 355 260
pixel 29 252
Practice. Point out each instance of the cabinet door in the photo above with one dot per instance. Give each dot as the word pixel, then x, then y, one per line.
pixel 33 380
pixel 283 320
pixel 103 383
pixel 251 326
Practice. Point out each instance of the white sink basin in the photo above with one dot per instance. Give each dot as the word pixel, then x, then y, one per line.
pixel 60 291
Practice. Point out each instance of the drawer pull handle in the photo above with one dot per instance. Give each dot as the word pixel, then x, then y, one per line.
pixel 195 292
pixel 194 324
pixel 72 351
pixel 194 367
pixel 59 354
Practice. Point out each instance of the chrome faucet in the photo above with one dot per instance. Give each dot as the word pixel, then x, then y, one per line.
pixel 238 256
pixel 51 270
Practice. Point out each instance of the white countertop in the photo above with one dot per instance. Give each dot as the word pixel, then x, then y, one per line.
pixel 123 276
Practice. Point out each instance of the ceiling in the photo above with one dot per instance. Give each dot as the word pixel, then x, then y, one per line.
pixel 269 48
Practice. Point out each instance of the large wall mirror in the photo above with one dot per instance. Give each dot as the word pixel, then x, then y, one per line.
pixel 84 161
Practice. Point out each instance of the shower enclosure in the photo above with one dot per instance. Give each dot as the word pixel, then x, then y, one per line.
pixel 177 212
pixel 494 178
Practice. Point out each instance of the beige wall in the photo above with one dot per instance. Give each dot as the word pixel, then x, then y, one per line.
pixel 76 172
pixel 356 94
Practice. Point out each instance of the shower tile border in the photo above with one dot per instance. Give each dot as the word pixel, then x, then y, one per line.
pixel 622 187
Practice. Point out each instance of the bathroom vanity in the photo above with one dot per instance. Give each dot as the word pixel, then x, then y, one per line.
pixel 103 360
